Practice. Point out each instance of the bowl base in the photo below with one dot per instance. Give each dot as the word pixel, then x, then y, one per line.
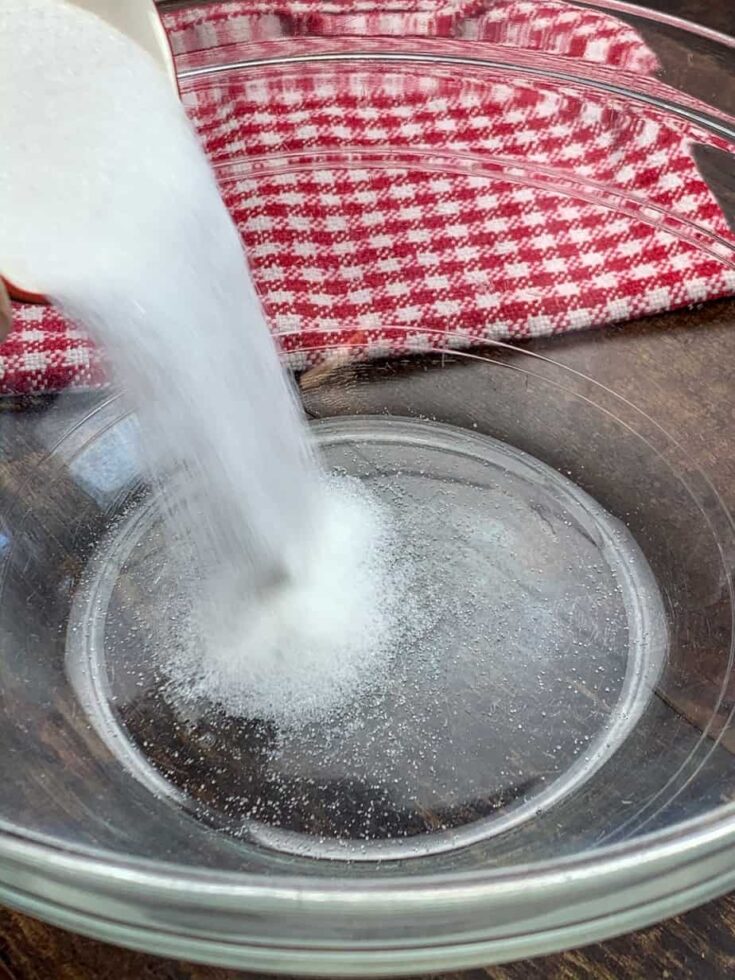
pixel 543 637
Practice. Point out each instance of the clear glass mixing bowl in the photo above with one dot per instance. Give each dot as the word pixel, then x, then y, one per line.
pixel 552 761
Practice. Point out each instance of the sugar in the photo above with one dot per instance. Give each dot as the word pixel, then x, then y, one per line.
pixel 302 653
pixel 110 208
pixel 108 201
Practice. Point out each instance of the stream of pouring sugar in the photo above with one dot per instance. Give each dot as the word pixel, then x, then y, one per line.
pixel 107 200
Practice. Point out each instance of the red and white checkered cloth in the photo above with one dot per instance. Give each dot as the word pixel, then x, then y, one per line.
pixel 451 215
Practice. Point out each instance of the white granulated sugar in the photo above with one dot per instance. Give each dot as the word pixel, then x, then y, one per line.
pixel 110 208
pixel 304 651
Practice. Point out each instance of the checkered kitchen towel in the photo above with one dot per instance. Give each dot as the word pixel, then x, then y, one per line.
pixel 361 254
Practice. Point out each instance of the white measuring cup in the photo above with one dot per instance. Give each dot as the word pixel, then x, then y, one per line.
pixel 139 20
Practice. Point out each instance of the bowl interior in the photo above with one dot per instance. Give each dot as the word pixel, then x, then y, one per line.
pixel 561 678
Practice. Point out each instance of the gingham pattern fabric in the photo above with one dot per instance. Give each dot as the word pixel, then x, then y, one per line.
pixel 557 28
pixel 357 255
pixel 543 25
pixel 211 27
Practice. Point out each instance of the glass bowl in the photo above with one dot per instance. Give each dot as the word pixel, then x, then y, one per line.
pixel 550 760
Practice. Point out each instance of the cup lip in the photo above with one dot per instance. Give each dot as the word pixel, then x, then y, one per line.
pixel 21 295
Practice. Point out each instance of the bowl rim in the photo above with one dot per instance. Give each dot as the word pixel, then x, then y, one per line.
pixel 661 17
pixel 709 833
